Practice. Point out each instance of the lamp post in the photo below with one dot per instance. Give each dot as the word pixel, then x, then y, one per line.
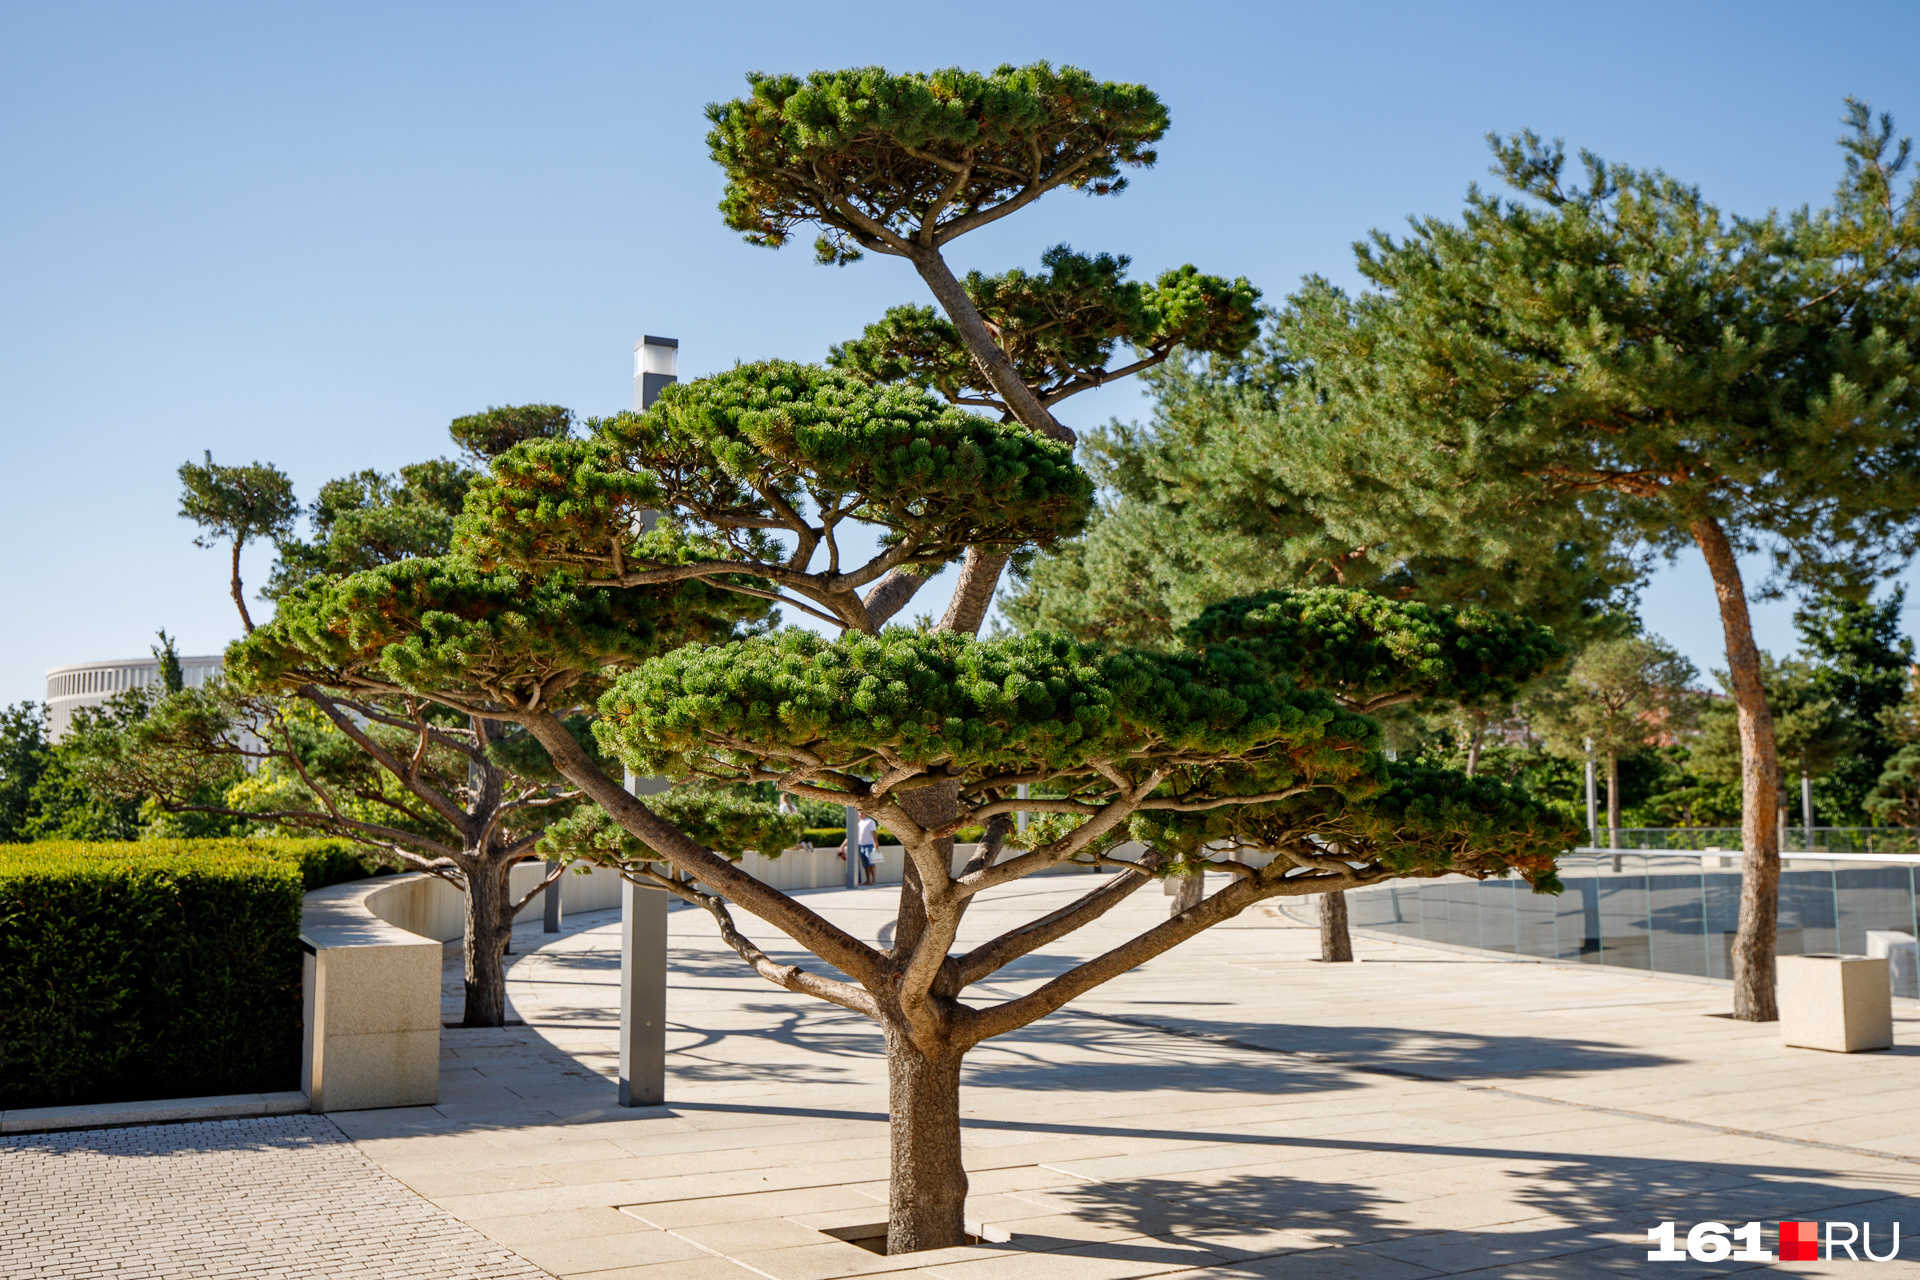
pixel 1593 814
pixel 643 908
pixel 1806 807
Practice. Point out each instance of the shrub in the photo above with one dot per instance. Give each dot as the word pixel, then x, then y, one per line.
pixel 155 969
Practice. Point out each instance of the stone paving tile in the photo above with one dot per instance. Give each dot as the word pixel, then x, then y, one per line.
pixel 286 1196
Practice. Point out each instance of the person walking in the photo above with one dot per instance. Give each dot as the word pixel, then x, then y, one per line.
pixel 868 833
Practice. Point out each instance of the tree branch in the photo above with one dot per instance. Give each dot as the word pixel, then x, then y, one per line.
pixel 816 934
pixel 790 976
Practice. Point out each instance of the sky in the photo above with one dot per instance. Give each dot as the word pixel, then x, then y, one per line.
pixel 312 235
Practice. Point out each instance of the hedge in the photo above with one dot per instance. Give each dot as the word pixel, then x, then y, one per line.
pixel 155 969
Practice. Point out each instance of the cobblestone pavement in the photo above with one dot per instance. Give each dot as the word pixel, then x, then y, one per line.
pixel 285 1196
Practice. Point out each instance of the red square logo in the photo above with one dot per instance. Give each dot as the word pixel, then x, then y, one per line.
pixel 1799 1242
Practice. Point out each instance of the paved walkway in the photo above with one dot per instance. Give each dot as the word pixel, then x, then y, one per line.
pixel 283 1196
pixel 1232 1109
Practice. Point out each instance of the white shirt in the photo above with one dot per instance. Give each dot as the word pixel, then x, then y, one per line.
pixel 866 831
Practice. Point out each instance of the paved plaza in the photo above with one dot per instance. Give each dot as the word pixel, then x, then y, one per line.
pixel 1233 1109
pixel 281 1196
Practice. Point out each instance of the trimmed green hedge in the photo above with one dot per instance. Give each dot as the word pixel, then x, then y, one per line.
pixel 155 969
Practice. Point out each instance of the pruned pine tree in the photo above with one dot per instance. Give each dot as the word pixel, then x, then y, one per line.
pixel 463 797
pixel 750 483
pixel 1614 362
pixel 879 715
pixel 1059 329
pixel 235 505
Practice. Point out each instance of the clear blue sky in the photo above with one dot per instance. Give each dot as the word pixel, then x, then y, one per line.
pixel 313 234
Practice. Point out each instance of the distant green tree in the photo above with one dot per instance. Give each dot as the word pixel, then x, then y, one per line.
pixel 235 505
pixel 1860 661
pixel 371 518
pixel 1618 697
pixel 64 802
pixel 1814 732
pixel 486 435
pixel 1616 363
pixel 172 678
pixel 1204 502
pixel 24 755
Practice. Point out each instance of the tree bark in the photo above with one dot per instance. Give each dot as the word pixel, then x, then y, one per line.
pixel 927 1195
pixel 1473 743
pixel 239 593
pixel 1613 800
pixel 973 594
pixel 1753 944
pixel 1336 944
pixel 488 925
pixel 1020 399
pixel 1187 892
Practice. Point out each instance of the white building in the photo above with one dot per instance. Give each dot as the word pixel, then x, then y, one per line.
pixel 88 684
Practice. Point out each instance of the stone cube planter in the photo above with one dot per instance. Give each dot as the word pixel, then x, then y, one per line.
pixel 1833 1002
pixel 1903 959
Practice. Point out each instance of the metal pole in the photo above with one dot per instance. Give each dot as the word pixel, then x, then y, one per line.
pixel 643 995
pixel 550 901
pixel 643 908
pixel 1806 808
pixel 1593 812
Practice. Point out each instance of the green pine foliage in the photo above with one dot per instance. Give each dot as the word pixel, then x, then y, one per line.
pixel 371 518
pixel 960 148
pixel 486 435
pixel 774 446
pixel 1860 662
pixel 1422 821
pixel 1372 652
pixel 1036 707
pixel 1219 494
pixel 441 623
pixel 1059 327
pixel 731 821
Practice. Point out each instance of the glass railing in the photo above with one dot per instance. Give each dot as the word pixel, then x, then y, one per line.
pixel 1664 911
pixel 1805 839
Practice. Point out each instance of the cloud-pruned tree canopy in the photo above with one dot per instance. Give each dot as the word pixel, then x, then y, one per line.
pixel 958 149
pixel 1059 328
pixel 472 638
pixel 770 449
pixel 1420 821
pixel 1370 652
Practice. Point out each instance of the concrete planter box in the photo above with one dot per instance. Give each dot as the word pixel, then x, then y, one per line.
pixel 1903 959
pixel 1838 1003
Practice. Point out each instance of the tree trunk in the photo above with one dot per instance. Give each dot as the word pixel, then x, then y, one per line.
pixel 1753 944
pixel 239 594
pixel 1613 800
pixel 488 924
pixel 1187 892
pixel 1020 399
pixel 1473 743
pixel 973 594
pixel 927 1197
pixel 1336 944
